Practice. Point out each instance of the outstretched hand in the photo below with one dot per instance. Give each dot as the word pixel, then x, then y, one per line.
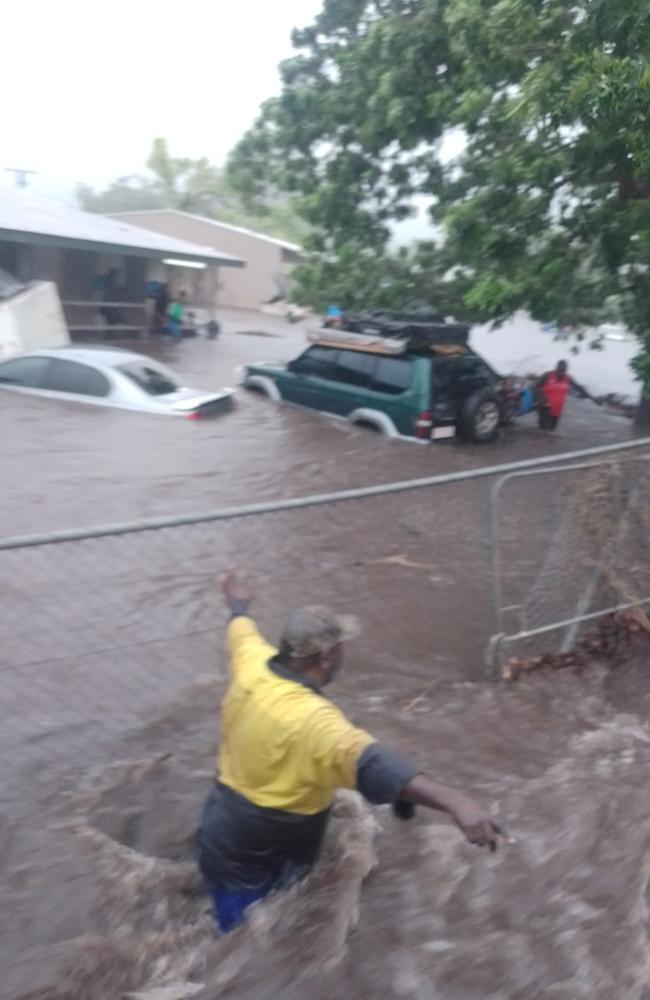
pixel 477 825
pixel 471 818
pixel 235 590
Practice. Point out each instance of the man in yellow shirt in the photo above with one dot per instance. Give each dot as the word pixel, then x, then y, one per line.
pixel 285 749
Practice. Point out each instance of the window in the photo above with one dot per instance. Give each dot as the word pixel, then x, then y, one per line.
pixel 24 371
pixel 444 372
pixel 462 375
pixel 353 368
pixel 392 375
pixel 474 368
pixel 315 361
pixel 70 376
pixel 155 381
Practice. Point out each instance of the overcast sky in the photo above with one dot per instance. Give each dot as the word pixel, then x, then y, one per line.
pixel 87 84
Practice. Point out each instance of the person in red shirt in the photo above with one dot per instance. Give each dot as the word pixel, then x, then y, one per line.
pixel 553 389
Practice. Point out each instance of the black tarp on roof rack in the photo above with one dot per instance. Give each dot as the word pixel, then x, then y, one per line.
pixel 418 328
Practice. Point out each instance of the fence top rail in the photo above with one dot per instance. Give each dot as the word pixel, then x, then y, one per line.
pixel 311 500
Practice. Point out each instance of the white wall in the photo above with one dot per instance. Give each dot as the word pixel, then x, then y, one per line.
pixel 32 319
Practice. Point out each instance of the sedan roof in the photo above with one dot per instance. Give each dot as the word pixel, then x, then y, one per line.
pixel 107 357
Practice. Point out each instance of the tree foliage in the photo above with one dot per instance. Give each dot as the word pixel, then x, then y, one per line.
pixel 196 186
pixel 547 206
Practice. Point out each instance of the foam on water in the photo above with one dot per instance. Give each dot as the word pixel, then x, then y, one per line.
pixel 159 939
pixel 562 760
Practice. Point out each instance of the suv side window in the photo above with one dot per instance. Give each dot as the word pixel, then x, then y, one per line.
pixel 475 369
pixel 24 371
pixel 70 376
pixel 353 368
pixel 461 376
pixel 315 361
pixel 392 375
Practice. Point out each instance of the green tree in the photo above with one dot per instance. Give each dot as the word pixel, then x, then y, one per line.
pixel 196 186
pixel 546 208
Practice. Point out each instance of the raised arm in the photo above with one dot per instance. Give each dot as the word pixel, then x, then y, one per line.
pixel 242 634
pixel 237 594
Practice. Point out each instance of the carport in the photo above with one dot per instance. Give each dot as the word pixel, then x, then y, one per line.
pixel 106 271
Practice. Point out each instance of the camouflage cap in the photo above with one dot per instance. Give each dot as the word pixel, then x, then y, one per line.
pixel 317 629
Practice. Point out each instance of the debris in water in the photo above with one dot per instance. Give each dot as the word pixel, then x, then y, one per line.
pixel 400 559
pixel 175 991
pixel 612 634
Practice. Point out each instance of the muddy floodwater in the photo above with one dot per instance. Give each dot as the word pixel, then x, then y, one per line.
pixel 113 668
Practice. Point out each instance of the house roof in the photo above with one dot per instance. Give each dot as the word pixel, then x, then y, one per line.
pixel 284 244
pixel 25 218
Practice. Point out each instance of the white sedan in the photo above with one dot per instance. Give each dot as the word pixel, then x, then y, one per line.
pixel 107 376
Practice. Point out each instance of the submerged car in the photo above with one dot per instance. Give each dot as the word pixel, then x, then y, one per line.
pixel 107 376
pixel 408 378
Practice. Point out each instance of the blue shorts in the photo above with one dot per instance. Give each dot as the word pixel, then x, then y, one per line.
pixel 230 907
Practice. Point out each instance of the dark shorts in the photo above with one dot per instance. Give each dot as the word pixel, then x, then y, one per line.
pixel 546 421
pixel 246 851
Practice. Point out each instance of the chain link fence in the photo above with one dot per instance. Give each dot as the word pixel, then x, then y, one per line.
pixel 107 631
pixel 569 545
pixel 112 669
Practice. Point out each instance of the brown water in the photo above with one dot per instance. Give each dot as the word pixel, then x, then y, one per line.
pixel 68 465
pixel 562 913
pixel 112 674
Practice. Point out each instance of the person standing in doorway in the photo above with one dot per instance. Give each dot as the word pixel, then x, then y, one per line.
pixel 175 314
pixel 109 283
pixel 553 391
pixel 285 749
pixel 160 305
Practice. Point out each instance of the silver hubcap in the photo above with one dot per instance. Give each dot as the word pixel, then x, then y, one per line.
pixel 487 418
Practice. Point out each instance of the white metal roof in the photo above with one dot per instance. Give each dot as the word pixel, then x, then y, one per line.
pixel 25 218
pixel 213 222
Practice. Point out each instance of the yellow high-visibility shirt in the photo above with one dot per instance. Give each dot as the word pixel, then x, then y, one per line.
pixel 283 745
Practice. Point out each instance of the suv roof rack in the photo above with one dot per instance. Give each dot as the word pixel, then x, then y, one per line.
pixel 417 329
pixel 370 343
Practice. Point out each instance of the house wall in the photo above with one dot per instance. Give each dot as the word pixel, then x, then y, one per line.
pixel 244 288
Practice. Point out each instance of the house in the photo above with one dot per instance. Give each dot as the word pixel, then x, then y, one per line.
pixel 103 266
pixel 268 260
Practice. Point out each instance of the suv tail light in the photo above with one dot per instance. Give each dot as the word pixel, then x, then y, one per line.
pixel 423 424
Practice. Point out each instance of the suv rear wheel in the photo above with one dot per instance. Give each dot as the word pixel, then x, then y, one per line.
pixel 480 417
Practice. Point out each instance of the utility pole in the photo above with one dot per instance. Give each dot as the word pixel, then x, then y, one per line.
pixel 20 175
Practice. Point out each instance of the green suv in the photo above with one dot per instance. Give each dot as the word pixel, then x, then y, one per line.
pixel 421 393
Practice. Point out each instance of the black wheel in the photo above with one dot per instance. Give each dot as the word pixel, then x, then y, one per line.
pixel 480 417
pixel 213 329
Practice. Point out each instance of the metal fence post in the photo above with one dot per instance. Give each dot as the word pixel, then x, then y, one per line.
pixel 493 656
pixel 496 622
pixel 500 638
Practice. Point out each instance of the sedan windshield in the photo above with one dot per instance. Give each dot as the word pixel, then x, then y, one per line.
pixel 156 381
